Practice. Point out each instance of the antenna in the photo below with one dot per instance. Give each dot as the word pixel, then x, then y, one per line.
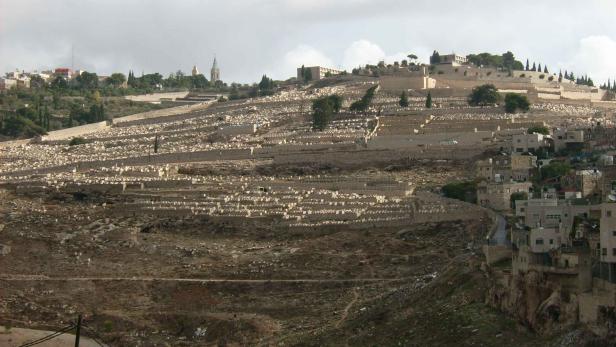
pixel 73 57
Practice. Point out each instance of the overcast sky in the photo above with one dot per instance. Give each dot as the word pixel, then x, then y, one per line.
pixel 253 37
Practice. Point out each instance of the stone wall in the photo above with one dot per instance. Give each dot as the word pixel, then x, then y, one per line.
pixel 77 131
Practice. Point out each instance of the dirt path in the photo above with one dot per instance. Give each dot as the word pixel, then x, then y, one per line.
pixel 345 312
pixel 12 277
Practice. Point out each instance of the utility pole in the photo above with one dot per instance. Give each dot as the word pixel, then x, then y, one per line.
pixel 78 331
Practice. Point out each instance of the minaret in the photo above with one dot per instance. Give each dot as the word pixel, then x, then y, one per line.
pixel 215 72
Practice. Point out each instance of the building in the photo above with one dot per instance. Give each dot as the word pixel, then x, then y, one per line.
pixel 315 73
pixel 564 138
pixel 588 181
pixel 497 196
pixel 7 83
pixel 608 242
pixel 214 72
pixel 505 168
pixel 195 71
pixel 522 143
pixel 63 72
pixel 453 60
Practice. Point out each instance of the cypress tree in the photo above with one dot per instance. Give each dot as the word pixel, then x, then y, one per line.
pixel 527 65
pixel 404 100
pixel 534 67
pixel 429 100
pixel 545 69
pixel 539 68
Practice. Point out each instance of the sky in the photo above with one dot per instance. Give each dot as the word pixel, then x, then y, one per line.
pixel 254 37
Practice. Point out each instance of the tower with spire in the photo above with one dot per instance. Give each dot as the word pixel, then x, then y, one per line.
pixel 215 72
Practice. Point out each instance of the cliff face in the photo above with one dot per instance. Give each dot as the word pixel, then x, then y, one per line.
pixel 544 306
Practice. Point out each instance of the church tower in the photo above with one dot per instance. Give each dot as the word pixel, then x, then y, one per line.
pixel 195 71
pixel 215 72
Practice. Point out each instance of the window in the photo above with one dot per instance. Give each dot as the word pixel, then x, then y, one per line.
pixel 540 242
pixel 614 252
pixel 551 241
pixel 604 251
pixel 614 233
pixel 608 213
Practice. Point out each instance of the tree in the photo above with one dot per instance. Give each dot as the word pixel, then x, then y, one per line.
pixel 555 169
pixel 429 100
pixel 539 68
pixel 37 82
pixel 534 68
pixel 465 191
pixel 435 58
pixel 336 101
pixel 484 95
pixel 527 65
pixel 156 144
pixel 404 99
pixel 322 113
pixel 363 104
pixel 516 197
pixel 266 86
pixel 545 69
pixel 59 83
pixel 87 80
pixel 515 102
pixel 560 76
pixel 116 79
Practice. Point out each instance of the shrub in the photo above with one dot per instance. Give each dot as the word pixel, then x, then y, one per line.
pixel 551 78
pixel 523 75
pixel 514 102
pixel 542 76
pixel 539 130
pixel 76 141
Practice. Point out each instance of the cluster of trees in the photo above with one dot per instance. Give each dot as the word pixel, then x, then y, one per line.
pixel 487 95
pixel 364 103
pixel 28 120
pixel 535 67
pixel 324 109
pixel 504 61
pixel 610 85
pixel 584 80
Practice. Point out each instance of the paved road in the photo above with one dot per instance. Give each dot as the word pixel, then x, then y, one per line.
pixel 500 235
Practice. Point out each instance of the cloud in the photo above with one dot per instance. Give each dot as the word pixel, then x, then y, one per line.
pixel 300 55
pixel 595 56
pixel 363 52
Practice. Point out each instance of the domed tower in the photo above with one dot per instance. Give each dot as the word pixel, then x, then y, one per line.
pixel 195 71
pixel 215 72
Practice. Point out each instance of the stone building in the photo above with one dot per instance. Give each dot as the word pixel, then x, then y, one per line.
pixel 315 73
pixel 498 195
pixel 195 71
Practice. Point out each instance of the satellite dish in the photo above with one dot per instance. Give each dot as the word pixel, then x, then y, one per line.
pixel 611 197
